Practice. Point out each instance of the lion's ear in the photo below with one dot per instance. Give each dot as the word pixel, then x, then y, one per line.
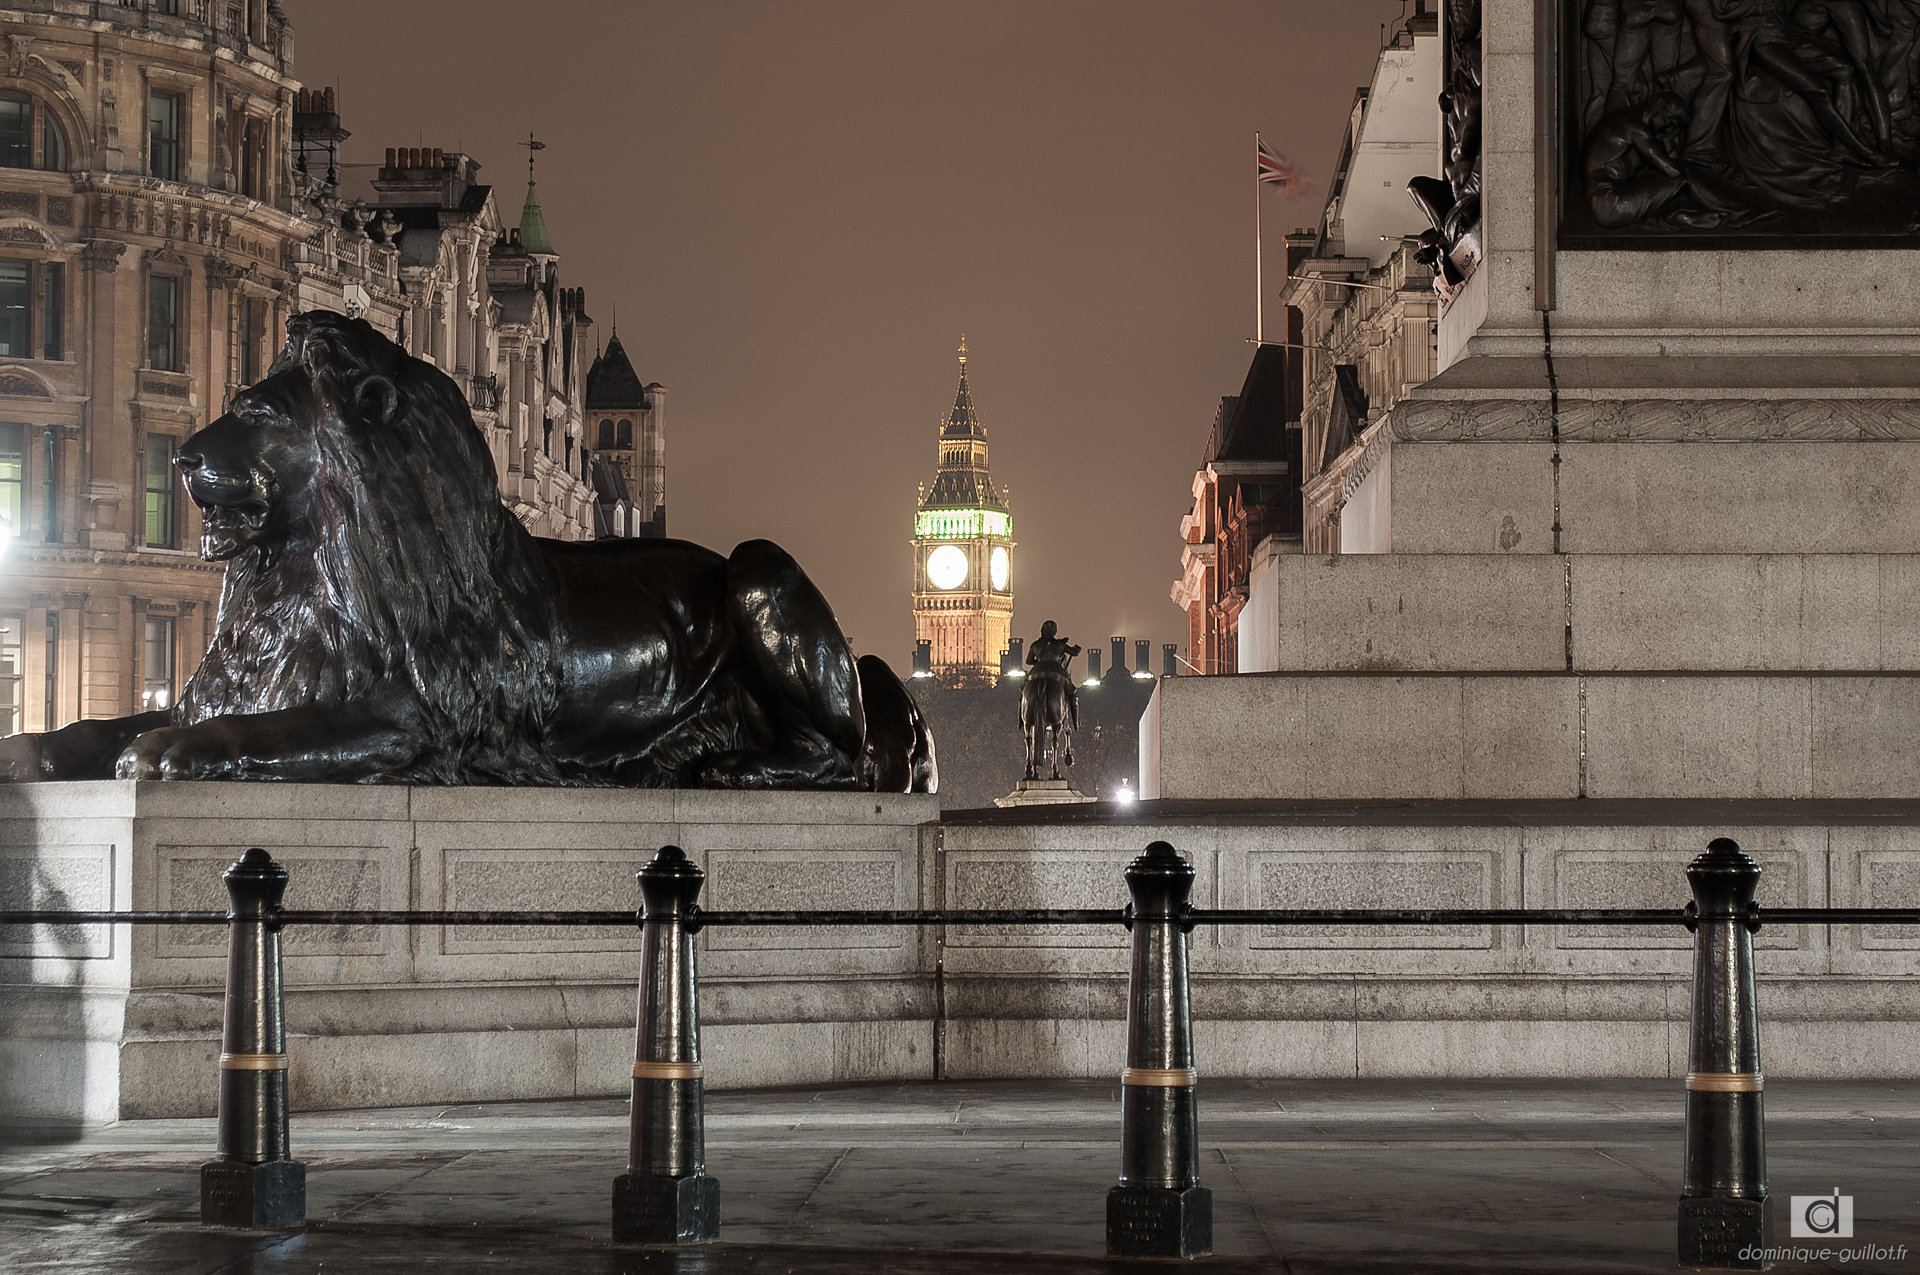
pixel 314 356
pixel 377 400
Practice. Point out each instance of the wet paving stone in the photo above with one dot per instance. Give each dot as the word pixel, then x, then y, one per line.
pixel 1309 1178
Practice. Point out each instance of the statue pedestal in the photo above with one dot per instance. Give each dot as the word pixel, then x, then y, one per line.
pixel 1043 792
pixel 103 1022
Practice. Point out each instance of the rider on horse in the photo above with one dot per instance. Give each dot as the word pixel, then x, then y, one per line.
pixel 1049 704
pixel 1048 657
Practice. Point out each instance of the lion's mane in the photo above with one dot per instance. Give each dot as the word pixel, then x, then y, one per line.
pixel 406 576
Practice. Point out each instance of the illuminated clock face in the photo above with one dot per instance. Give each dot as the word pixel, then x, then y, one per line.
pixel 997 569
pixel 947 567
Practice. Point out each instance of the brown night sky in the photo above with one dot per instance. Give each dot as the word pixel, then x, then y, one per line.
pixel 799 207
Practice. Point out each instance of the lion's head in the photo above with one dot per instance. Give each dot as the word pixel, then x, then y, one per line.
pixel 368 555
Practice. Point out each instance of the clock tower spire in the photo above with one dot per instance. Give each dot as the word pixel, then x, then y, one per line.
pixel 962 552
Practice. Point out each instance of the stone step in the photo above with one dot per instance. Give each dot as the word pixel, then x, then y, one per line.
pixel 1636 613
pixel 1657 497
pixel 1327 736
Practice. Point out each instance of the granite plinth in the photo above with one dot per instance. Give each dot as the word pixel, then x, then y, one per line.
pixel 1043 792
pixel 110 1022
pixel 103 1022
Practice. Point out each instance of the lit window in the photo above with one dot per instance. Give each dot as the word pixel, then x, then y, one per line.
pixel 13 474
pixel 156 680
pixel 53 670
pixel 53 305
pixel 163 323
pixel 16 131
pixel 163 136
pixel 12 629
pixel 49 474
pixel 18 128
pixel 252 336
pixel 53 144
pixel 160 491
pixel 14 291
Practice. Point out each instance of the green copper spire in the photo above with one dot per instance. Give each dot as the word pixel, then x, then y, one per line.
pixel 533 226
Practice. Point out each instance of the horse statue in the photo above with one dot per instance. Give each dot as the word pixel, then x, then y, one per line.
pixel 1049 702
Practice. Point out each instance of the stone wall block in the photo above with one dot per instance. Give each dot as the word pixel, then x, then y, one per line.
pixel 1472 498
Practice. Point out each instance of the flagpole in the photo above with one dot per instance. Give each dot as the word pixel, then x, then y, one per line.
pixel 1259 287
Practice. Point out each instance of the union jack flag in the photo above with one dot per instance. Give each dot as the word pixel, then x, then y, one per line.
pixel 1277 169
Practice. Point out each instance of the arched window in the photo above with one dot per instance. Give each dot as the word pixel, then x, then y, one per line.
pixel 606 436
pixel 29 137
pixel 626 435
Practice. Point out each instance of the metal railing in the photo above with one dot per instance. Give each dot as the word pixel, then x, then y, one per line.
pixel 1159 1208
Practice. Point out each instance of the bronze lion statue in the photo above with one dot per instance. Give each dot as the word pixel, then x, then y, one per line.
pixel 384 618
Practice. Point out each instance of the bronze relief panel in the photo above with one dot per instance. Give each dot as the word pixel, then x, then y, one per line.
pixel 1740 123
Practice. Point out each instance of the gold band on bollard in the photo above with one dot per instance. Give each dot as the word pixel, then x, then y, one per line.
pixel 1159 1077
pixel 643 1070
pixel 253 1062
pixel 1726 1081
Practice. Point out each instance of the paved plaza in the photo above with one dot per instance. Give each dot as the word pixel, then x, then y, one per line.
pixel 990 1177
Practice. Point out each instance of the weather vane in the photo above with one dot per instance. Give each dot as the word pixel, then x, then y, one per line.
pixel 532 144
pixel 963 347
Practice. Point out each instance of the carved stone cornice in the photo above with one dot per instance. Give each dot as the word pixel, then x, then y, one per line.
pixel 1719 420
pixel 1472 421
pixel 1741 420
pixel 1371 447
pixel 223 274
pixel 102 255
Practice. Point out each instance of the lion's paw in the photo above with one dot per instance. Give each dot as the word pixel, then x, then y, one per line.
pixel 21 759
pixel 174 753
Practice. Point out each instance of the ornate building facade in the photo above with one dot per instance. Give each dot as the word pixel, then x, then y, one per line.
pixel 962 553
pixel 168 198
pixel 147 213
pixel 1368 313
pixel 1295 463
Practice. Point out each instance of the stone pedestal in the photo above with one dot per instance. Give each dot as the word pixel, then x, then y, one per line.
pixel 108 1022
pixel 1651 543
pixel 1043 792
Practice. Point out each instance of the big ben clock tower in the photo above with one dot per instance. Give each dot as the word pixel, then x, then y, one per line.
pixel 963 552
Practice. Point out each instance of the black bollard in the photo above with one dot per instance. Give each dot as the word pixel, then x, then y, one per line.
pixel 665 1196
pixel 1159 1209
pixel 254 1183
pixel 1723 1193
